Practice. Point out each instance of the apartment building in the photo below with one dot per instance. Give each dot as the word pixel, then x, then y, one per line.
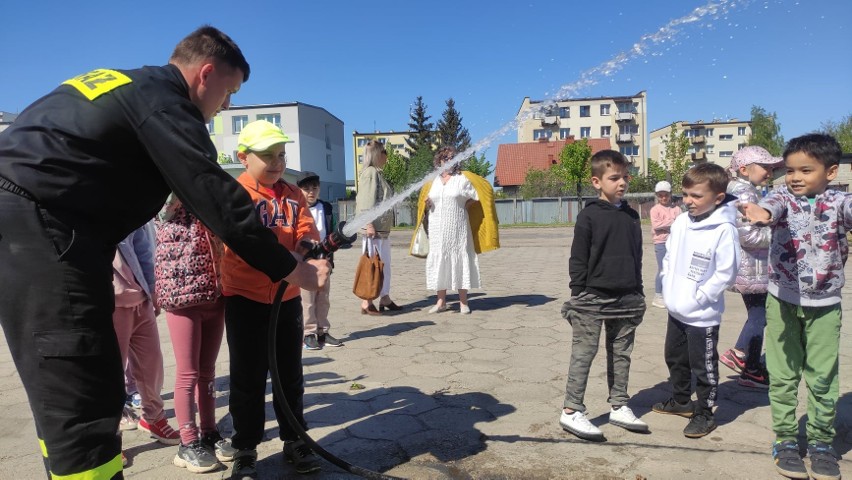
pixel 360 139
pixel 620 120
pixel 714 141
pixel 317 137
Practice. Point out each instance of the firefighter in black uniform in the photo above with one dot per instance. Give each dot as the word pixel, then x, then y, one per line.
pixel 80 169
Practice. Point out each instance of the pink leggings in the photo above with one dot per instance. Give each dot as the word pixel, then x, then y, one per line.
pixel 196 337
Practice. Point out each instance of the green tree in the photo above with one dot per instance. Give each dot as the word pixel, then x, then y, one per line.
pixel 396 169
pixel 676 159
pixel 224 158
pixel 574 168
pixel 542 183
pixel 766 131
pixel 422 136
pixel 646 182
pixel 478 165
pixel 450 130
pixel 842 131
pixel 420 164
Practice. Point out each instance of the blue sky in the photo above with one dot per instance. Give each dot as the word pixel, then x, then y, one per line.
pixel 366 62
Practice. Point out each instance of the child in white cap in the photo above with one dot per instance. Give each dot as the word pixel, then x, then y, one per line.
pixel 751 167
pixel 663 214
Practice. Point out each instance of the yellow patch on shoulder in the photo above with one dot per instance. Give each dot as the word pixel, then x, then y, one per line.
pixel 98 82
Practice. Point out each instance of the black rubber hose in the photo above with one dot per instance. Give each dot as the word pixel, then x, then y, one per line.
pixel 288 414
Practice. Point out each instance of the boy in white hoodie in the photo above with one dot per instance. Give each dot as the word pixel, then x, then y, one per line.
pixel 702 254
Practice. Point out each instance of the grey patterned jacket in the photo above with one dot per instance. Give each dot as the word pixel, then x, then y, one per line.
pixel 809 246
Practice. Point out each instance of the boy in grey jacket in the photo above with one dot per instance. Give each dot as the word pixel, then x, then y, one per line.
pixel 806 258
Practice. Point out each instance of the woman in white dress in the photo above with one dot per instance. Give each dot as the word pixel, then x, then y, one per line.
pixel 452 263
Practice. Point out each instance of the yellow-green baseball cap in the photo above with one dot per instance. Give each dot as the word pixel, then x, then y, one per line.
pixel 259 135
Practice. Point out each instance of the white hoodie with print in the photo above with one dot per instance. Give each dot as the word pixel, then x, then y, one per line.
pixel 700 264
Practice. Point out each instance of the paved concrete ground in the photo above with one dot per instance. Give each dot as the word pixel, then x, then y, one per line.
pixel 476 396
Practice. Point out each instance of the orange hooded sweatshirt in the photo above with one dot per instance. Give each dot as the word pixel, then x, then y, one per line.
pixel 289 218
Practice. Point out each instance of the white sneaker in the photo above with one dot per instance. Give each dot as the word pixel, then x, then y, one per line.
pixel 464 309
pixel 437 309
pixel 579 425
pixel 624 418
pixel 129 420
pixel 658 301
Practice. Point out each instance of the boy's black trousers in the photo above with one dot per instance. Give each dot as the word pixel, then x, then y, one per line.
pixel 56 304
pixel 247 327
pixel 691 352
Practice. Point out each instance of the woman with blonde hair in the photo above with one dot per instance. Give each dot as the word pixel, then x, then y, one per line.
pixel 372 190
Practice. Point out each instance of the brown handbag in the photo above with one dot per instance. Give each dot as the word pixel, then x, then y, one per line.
pixel 369 275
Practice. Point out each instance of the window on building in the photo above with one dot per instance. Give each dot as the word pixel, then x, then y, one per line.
pixel 692 133
pixel 585 111
pixel 328 163
pixel 273 118
pixel 726 137
pixel 624 129
pixel 585 132
pixel 360 158
pixel 629 150
pixel 382 140
pixel 692 149
pixel 606 131
pixel 741 146
pixel 741 131
pixel 708 132
pixel 235 158
pixel 564 133
pixel 239 121
pixel 210 127
pixel 710 148
pixel 327 138
pixel 726 153
pixel 626 107
pixel 565 112
pixel 362 142
pixel 604 109
pixel 542 133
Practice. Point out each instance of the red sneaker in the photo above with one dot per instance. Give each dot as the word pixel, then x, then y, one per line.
pixel 161 430
pixel 733 360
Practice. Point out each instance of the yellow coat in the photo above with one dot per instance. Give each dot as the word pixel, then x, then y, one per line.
pixel 482 214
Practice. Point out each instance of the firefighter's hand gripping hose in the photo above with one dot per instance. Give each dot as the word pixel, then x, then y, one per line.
pixel 321 250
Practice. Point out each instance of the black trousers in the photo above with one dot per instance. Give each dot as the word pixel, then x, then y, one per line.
pixel 247 324
pixel 56 304
pixel 691 352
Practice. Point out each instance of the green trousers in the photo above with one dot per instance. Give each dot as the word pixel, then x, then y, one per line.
pixel 802 341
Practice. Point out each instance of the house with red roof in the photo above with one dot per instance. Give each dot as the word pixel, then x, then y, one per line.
pixel 514 160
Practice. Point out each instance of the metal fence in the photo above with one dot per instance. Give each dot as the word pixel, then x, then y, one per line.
pixel 513 211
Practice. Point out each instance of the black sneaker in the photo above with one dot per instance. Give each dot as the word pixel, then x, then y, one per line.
pixel 671 407
pixel 823 461
pixel 699 425
pixel 195 457
pixel 301 456
pixel 219 446
pixel 326 340
pixel 311 342
pixel 758 378
pixel 245 465
pixel 788 462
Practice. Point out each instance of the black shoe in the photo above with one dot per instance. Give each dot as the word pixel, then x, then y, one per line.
pixel 823 461
pixel 701 424
pixel 301 456
pixel 788 462
pixel 312 342
pixel 327 340
pixel 671 407
pixel 245 465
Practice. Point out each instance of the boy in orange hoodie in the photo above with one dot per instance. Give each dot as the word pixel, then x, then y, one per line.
pixel 282 208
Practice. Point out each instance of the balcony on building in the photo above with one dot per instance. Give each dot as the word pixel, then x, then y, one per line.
pixel 699 156
pixel 624 138
pixel 549 120
pixel 625 116
pixel 698 139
